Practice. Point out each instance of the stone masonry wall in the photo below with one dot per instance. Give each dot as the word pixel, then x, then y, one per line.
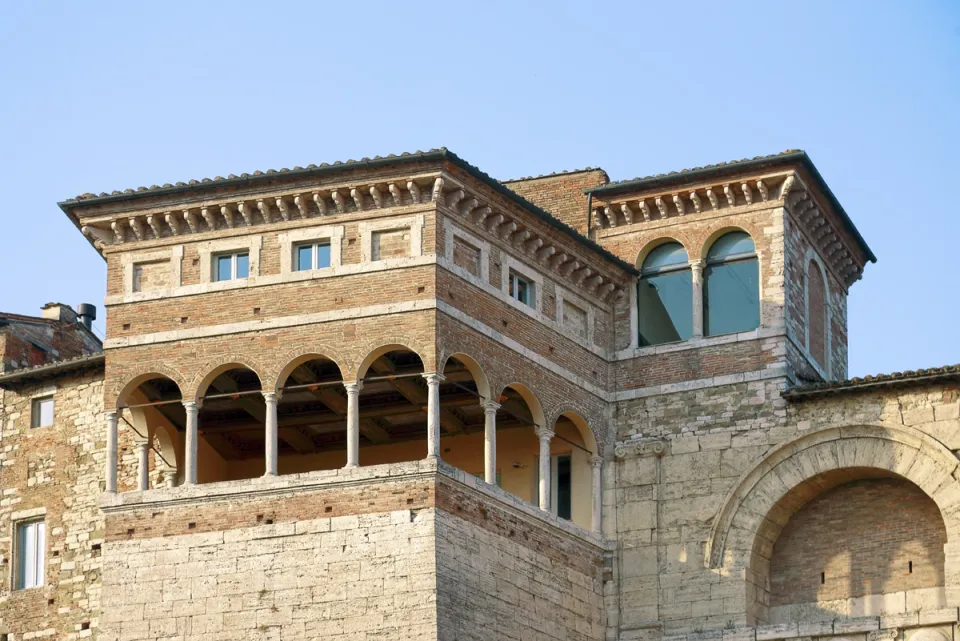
pixel 55 473
pixel 502 576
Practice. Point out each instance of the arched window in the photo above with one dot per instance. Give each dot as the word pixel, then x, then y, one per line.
pixel 665 296
pixel 816 314
pixel 731 286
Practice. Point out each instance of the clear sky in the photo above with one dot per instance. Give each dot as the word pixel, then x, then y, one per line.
pixel 98 96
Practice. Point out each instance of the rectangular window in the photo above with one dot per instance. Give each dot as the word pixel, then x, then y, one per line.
pixel 231 266
pixel 521 289
pixel 31 538
pixel 312 256
pixel 41 412
pixel 561 489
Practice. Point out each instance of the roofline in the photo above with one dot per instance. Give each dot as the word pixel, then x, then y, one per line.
pixel 557 174
pixel 440 155
pixel 735 167
pixel 91 361
pixel 870 383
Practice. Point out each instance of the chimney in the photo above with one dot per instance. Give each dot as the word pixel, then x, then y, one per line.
pixel 59 312
pixel 86 314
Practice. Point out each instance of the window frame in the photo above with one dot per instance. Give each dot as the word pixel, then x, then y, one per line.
pixel 509 264
pixel 314 246
pixel 647 272
pixel 18 579
pixel 731 259
pixel 36 416
pixel 210 250
pixel 291 240
pixel 413 223
pixel 234 257
pixel 529 296
pixel 826 370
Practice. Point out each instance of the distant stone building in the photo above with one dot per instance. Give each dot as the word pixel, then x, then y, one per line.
pixel 398 399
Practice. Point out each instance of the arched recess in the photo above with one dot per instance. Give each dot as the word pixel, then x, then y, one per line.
pixel 473 367
pixel 231 424
pixel 150 407
pixel 571 449
pixel 376 349
pixel 761 503
pixel 518 446
pixel 291 360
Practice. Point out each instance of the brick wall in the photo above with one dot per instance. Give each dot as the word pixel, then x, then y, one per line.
pixel 562 195
pixel 862 538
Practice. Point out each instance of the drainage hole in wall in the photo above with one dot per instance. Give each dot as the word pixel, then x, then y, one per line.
pixel 910 567
pixel 191 526
pixel 256 311
pixel 328 509
pixel 126 325
pixel 85 625
pixel 184 319
pixel 269 521
pixel 823 578
pixel 130 531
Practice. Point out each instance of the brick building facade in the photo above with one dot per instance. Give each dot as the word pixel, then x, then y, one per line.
pixel 396 398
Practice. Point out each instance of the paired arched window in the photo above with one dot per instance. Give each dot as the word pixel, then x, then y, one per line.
pixel 665 296
pixel 731 286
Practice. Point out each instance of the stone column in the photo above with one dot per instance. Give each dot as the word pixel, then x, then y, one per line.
pixel 190 449
pixel 110 471
pixel 270 467
pixel 490 441
pixel 596 463
pixel 545 437
pixel 433 414
pixel 696 272
pixel 170 477
pixel 143 463
pixel 353 423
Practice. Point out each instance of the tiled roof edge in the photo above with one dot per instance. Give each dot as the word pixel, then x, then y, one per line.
pixel 866 383
pixel 87 361
pixel 563 172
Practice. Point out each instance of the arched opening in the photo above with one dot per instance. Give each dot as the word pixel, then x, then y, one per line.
pixel 731 286
pixel 571 487
pixel 462 420
pixel 665 295
pixel 518 447
pixel 817 314
pixel 850 542
pixel 392 407
pixel 152 409
pixel 311 416
pixel 232 438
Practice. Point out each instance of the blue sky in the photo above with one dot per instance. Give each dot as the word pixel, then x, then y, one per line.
pixel 100 96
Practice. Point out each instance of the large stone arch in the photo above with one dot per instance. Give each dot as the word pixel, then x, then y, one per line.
pixel 753 504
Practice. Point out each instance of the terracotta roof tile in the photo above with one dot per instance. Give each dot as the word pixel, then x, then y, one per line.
pixel 866 383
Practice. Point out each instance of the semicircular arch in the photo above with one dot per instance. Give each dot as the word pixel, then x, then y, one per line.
pixel 578 417
pixel 142 374
pixel 290 360
pixel 653 244
pixel 384 345
pixel 532 400
pixel 215 368
pixel 902 451
pixel 475 369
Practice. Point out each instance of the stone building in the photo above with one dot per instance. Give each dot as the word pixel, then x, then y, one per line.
pixel 396 398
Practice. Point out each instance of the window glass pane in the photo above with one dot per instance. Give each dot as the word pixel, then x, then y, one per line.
pixel 731 297
pixel 736 243
pixel 243 265
pixel 224 268
pixel 665 305
pixel 304 257
pixel 45 411
pixel 666 255
pixel 323 256
pixel 31 541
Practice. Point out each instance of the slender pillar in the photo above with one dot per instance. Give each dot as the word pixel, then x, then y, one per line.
pixel 596 463
pixel 170 477
pixel 696 273
pixel 143 463
pixel 110 472
pixel 545 437
pixel 353 423
pixel 433 414
pixel 490 441
pixel 190 448
pixel 270 467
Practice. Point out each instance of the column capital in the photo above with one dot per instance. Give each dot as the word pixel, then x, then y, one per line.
pixel 544 433
pixel 434 377
pixel 353 387
pixel 271 397
pixel 490 407
pixel 141 441
pixel 696 263
pixel 595 461
pixel 192 405
pixel 111 415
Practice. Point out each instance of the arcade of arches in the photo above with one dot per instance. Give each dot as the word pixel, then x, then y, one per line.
pixel 238 428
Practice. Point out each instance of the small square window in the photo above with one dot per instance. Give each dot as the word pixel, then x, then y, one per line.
pixel 28 561
pixel 232 266
pixel 521 289
pixel 41 412
pixel 312 256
